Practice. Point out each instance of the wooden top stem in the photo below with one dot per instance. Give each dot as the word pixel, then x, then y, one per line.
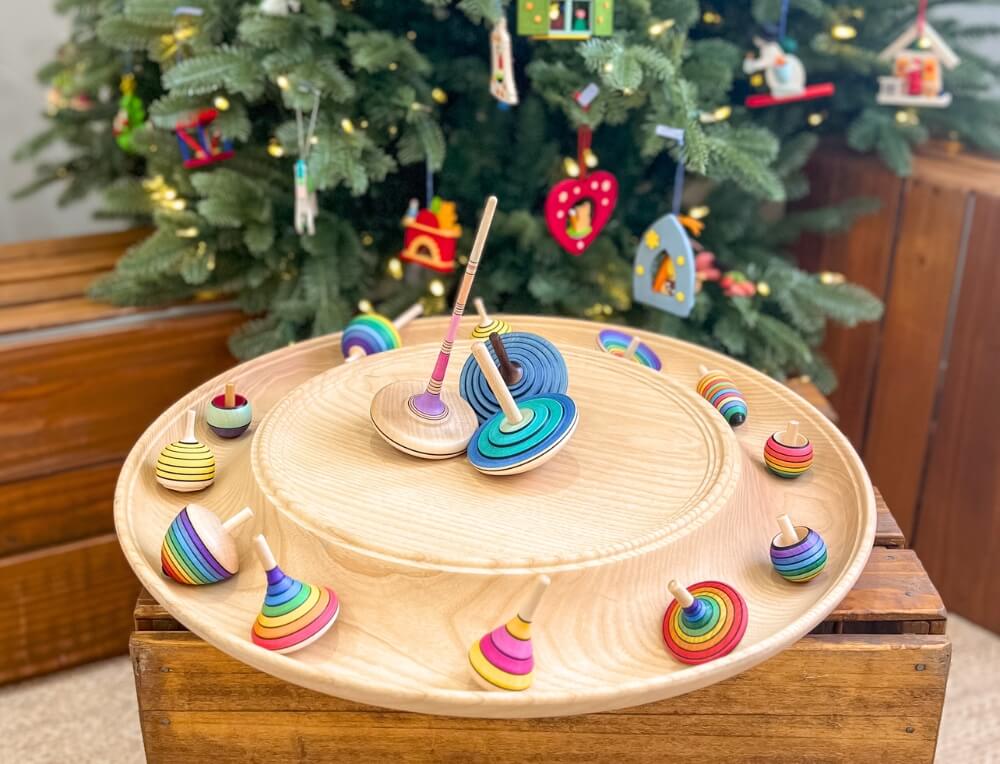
pixel 413 312
pixel 484 317
pixel 791 435
pixel 238 519
pixel 230 395
pixel 509 370
pixel 682 595
pixel 789 534
pixel 527 611
pixel 633 346
pixel 496 383
pixel 264 553
pixel 189 421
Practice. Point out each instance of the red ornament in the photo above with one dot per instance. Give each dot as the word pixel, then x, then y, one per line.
pixel 431 236
pixel 201 144
pixel 735 284
pixel 577 209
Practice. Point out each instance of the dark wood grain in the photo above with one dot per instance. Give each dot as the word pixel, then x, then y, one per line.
pixel 958 534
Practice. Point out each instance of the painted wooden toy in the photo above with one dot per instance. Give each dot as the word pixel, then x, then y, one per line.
pixel 524 434
pixel 798 553
pixel 199 549
pixel 372 333
pixel 229 415
pixel 199 142
pixel 431 235
pixel 504 659
pixel 487 325
pixel 187 464
pixel 719 390
pixel 916 76
pixel 788 454
pixel 783 71
pixel 294 614
pixel 503 86
pixel 565 19
pixel 529 365
pixel 704 622
pixel 629 347
pixel 428 421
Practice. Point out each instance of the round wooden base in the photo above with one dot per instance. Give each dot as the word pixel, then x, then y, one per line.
pixel 402 427
pixel 429 556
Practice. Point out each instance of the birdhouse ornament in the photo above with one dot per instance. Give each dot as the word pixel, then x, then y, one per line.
pixel 577 209
pixel 565 19
pixel 431 235
pixel 663 276
pixel 918 56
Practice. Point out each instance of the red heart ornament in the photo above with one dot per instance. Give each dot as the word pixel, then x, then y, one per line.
pixel 577 209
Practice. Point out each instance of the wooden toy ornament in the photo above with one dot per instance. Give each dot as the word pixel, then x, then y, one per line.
pixel 529 365
pixel 229 415
pixel 294 614
pixel 628 346
pixel 431 422
pixel 199 549
pixel 783 71
pixel 798 553
pixel 502 84
pixel 200 144
pixel 130 117
pixel 306 201
pixel 524 434
pixel 719 390
pixel 577 209
pixel 504 658
pixel 788 454
pixel 704 622
pixel 916 78
pixel 487 325
pixel 431 235
pixel 280 7
pixel 186 465
pixel 565 19
pixel 372 333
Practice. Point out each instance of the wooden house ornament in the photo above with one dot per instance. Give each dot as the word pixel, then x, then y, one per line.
pixel 431 235
pixel 664 273
pixel 917 56
pixel 565 19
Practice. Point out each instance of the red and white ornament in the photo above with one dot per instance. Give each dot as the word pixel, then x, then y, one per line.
pixel 578 209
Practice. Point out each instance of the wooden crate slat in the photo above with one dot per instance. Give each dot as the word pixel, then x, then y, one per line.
pixel 892 587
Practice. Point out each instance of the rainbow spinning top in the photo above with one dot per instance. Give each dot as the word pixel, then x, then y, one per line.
pixel 704 622
pixel 372 333
pixel 186 465
pixel 229 415
pixel 716 388
pixel 798 553
pixel 199 549
pixel 788 454
pixel 629 347
pixel 294 614
pixel 487 325
pixel 524 434
pixel 529 365
pixel 503 659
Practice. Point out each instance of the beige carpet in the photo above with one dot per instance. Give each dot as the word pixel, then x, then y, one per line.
pixel 89 714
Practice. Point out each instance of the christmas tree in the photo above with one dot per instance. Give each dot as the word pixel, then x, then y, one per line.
pixel 194 117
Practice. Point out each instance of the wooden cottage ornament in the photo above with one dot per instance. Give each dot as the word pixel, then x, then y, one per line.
pixel 565 19
pixel 918 55
pixel 431 236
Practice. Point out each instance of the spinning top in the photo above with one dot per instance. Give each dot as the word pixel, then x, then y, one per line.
pixel 716 388
pixel 229 414
pixel 503 658
pixel 199 549
pixel 529 365
pixel 788 454
pixel 427 421
pixel 186 465
pixel 524 434
pixel 487 325
pixel 630 348
pixel 798 553
pixel 294 614
pixel 372 333
pixel 704 622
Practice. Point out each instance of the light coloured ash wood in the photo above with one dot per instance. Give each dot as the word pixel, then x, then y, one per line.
pixel 392 417
pixel 598 643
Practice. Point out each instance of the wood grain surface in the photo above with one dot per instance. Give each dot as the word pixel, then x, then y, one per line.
pixel 597 636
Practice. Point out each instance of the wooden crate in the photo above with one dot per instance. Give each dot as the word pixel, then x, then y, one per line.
pixel 80 383
pixel 867 685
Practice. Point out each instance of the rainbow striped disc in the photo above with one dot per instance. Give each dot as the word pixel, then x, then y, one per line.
pixel 549 420
pixel 503 658
pixel 721 392
pixel 543 371
pixel 186 465
pixel 788 461
pixel 495 326
pixel 371 332
pixel 710 628
pixel 294 615
pixel 616 342
pixel 185 557
pixel 803 560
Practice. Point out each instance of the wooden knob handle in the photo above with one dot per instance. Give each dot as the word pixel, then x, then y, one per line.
pixel 789 534
pixel 264 553
pixel 527 611
pixel 230 395
pixel 238 519
pixel 189 421
pixel 496 383
pixel 484 317
pixel 702 369
pixel 682 595
pixel 508 370
pixel 414 311
pixel 630 351
pixel 791 435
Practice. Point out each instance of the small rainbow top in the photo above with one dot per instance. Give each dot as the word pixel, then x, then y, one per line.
pixel 368 334
pixel 704 622
pixel 186 464
pixel 788 454
pixel 716 388
pixel 198 549
pixel 803 558
pixel 619 343
pixel 294 614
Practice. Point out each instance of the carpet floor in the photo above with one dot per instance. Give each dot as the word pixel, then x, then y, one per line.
pixel 89 714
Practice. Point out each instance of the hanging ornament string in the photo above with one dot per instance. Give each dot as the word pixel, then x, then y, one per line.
pixel 783 21
pixel 584 133
pixel 921 18
pixel 677 134
pixel 429 182
pixel 305 137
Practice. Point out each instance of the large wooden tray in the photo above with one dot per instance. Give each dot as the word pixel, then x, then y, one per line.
pixel 427 556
